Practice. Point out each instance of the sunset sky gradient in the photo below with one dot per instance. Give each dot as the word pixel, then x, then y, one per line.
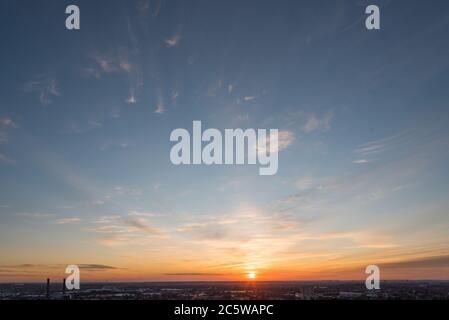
pixel 85 120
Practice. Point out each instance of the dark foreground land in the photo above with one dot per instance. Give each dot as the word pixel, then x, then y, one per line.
pixel 322 290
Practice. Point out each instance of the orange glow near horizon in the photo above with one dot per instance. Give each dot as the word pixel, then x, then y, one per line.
pixel 39 273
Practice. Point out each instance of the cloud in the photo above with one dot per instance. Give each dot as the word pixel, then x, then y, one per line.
pixel 307 122
pixel 361 161
pixel 173 41
pixel 29 269
pixel 107 219
pixel 195 274
pixel 67 220
pixel 313 122
pixel 84 127
pixel 205 231
pixel 45 88
pixel 174 96
pixel 306 183
pixel 23 266
pixel 247 237
pixel 144 7
pixel 91 72
pixel 140 224
pixel 96 267
pixel 106 65
pixel 114 144
pixel 249 98
pixel 160 109
pixel 6 122
pixel 404 143
pixel 118 191
pixel 131 99
pixel 111 64
pixel 126 191
pixel 239 226
pixel 46 216
pixel 35 215
pixel 124 64
pixel 133 89
pixel 391 143
pixel 122 61
pixel 157 8
pixel 144 214
pixel 426 262
pixel 404 187
pixel 123 230
pixel 285 139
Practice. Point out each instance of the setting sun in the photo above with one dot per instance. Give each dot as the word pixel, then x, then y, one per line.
pixel 252 275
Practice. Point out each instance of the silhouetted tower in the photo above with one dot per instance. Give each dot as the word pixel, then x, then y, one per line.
pixel 63 286
pixel 48 288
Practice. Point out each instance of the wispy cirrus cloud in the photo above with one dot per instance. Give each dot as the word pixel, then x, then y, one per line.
pixel 117 192
pixel 125 229
pixel 410 141
pixel 307 122
pixel 30 269
pixel 68 220
pixel 96 267
pixel 360 161
pixel 35 215
pixel 148 214
pixel 306 183
pixel 49 218
pixel 122 144
pixel 381 145
pixel 313 122
pixel 160 109
pixel 81 127
pixel 107 63
pixel 44 87
pixel 122 61
pixel 140 224
pixel 196 274
pixel 285 139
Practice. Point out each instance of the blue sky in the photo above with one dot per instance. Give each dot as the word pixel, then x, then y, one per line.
pixel 85 120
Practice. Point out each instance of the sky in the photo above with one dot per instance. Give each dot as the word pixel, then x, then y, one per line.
pixel 86 116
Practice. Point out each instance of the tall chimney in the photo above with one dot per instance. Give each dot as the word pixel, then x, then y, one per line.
pixel 48 288
pixel 63 286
